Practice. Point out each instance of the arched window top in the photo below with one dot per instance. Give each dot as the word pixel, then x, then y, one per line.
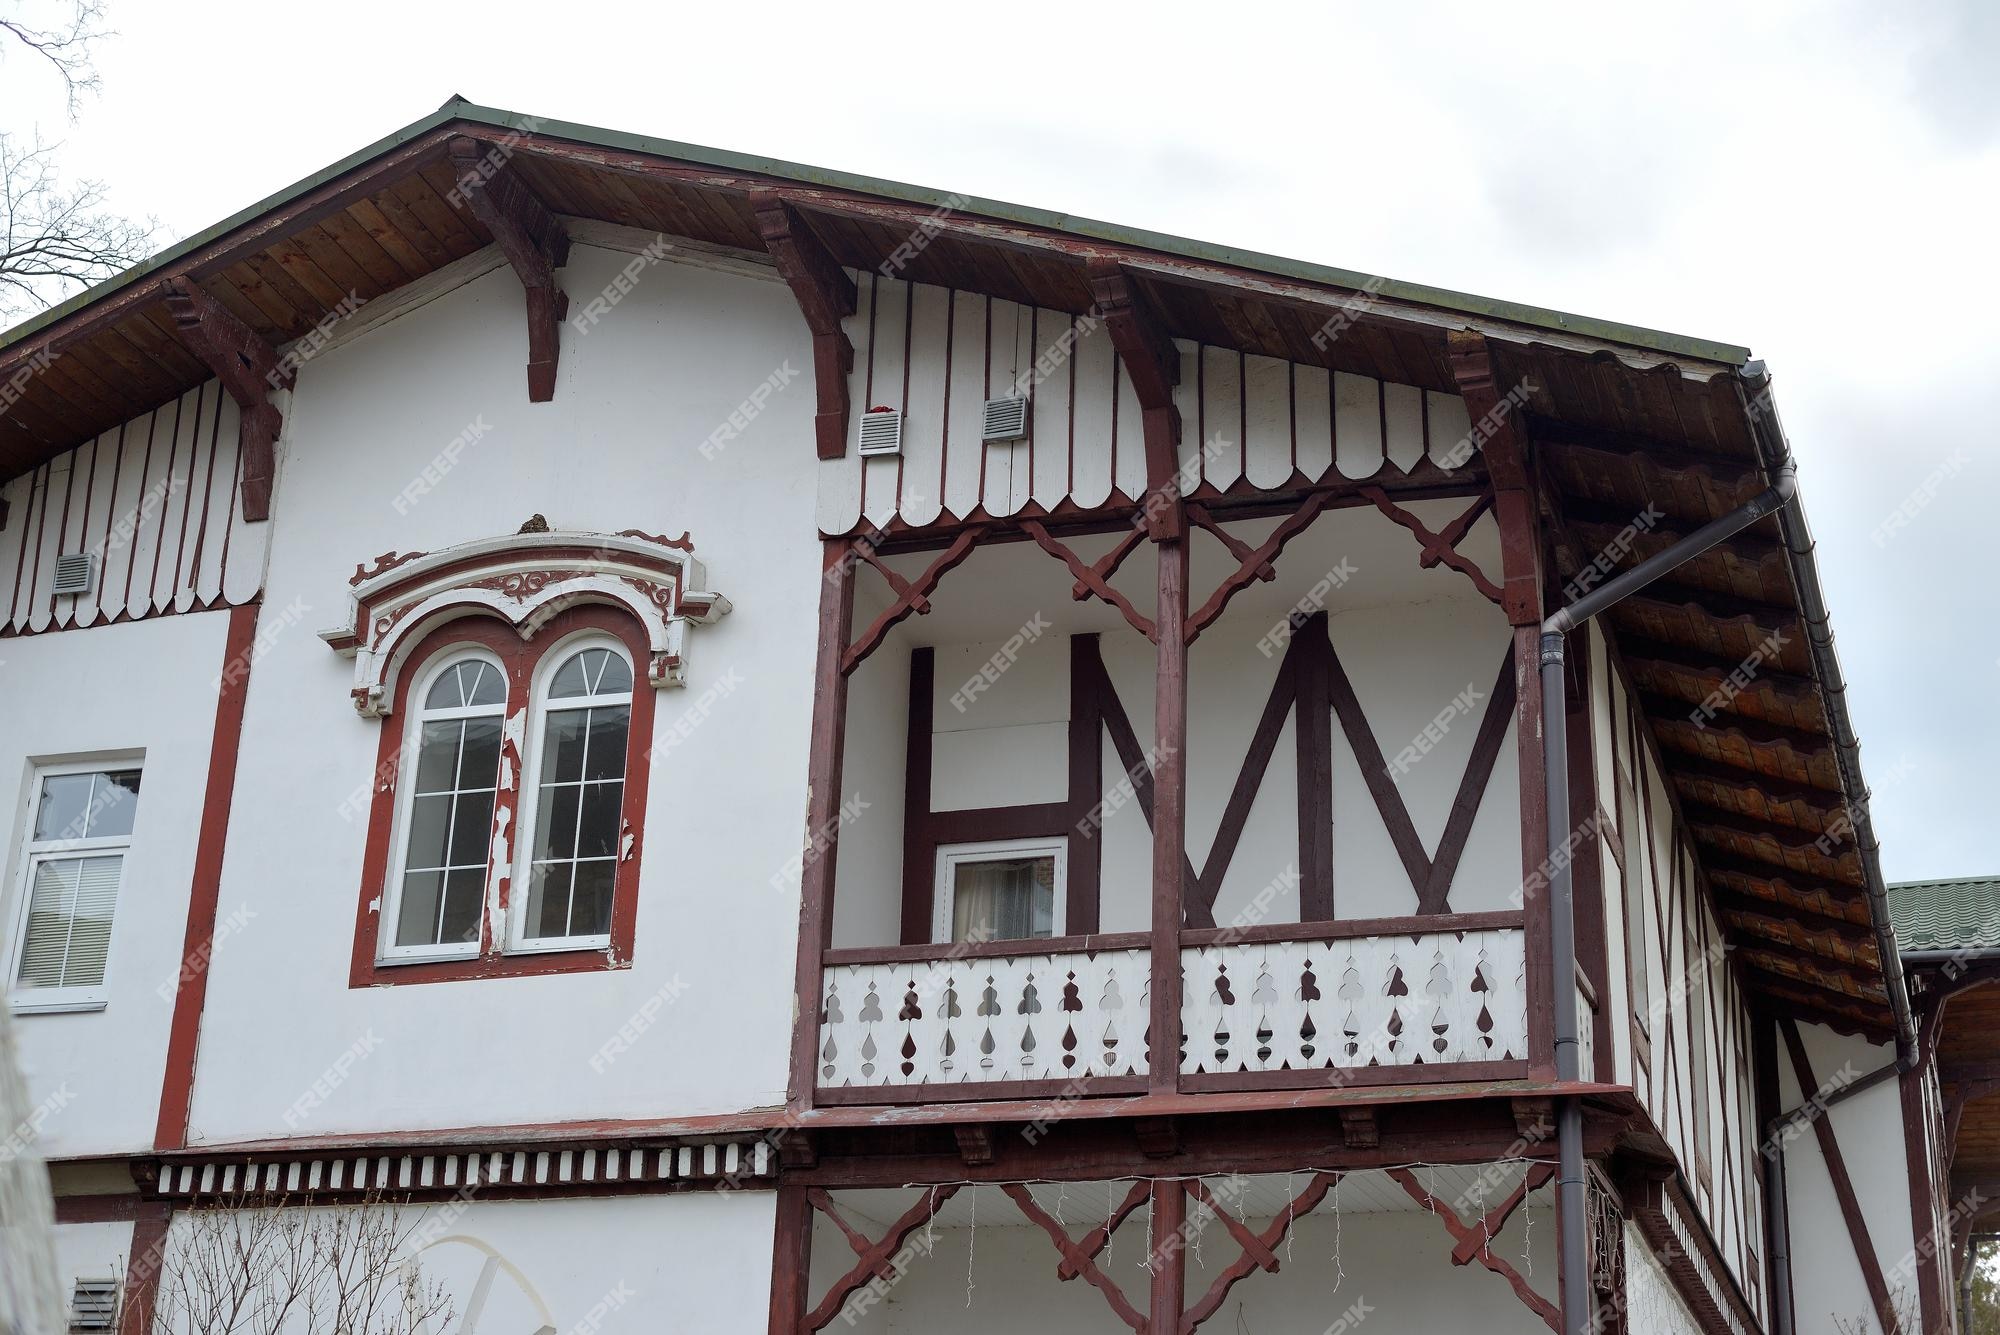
pixel 590 673
pixel 471 682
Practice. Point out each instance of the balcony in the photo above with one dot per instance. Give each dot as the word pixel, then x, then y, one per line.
pixel 1278 1007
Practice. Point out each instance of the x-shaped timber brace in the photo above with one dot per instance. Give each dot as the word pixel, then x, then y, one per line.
pixel 249 369
pixel 1474 1241
pixel 883 1259
pixel 532 238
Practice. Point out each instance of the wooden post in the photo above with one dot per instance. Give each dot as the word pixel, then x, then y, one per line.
pixel 822 834
pixel 791 1262
pixel 1169 1258
pixel 1313 730
pixel 1169 811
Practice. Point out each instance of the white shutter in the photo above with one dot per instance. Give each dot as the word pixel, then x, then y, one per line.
pixel 70 907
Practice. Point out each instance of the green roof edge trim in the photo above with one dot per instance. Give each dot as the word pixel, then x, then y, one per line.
pixel 457 109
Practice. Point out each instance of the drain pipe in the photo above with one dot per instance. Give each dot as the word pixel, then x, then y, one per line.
pixel 1577 1316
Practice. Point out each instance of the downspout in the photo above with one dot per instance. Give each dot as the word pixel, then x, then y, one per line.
pixel 1577 1316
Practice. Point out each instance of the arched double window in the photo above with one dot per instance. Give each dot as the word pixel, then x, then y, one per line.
pixel 505 838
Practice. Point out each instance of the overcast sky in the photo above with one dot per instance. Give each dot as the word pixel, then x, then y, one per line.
pixel 1816 181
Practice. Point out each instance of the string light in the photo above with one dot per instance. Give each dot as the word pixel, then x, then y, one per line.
pixel 971 1244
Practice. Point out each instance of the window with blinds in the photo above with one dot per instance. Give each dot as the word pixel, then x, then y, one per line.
pixel 74 860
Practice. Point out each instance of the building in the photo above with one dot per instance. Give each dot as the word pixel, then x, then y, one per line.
pixel 899 658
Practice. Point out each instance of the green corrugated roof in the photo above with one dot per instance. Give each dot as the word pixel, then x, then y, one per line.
pixel 1946 915
pixel 458 109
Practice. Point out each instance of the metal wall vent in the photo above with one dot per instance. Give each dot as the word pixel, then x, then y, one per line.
pixel 74 572
pixel 882 432
pixel 94 1305
pixel 1006 419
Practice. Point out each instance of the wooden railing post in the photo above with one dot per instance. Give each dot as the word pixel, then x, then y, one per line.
pixel 822 832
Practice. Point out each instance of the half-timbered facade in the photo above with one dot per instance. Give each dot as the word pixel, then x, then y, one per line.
pixel 935 767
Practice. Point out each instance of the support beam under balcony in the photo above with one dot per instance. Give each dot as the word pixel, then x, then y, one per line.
pixel 1169 811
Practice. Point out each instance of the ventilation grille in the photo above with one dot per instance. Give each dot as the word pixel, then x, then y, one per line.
pixel 1006 419
pixel 74 572
pixel 94 1305
pixel 882 432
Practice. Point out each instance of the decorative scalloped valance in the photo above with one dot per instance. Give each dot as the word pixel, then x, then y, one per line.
pixel 524 579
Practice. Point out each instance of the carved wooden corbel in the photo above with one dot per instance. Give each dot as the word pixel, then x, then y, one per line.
pixel 534 241
pixel 826 296
pixel 249 369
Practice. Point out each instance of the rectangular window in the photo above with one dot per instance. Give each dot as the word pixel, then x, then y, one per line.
pixel 1006 890
pixel 73 859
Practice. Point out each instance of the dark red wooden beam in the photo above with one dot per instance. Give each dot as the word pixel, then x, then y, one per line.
pixel 249 369
pixel 826 296
pixel 1656 457
pixel 531 237
pixel 1153 363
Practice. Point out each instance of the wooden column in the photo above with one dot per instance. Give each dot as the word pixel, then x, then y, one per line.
pixel 1313 730
pixel 1169 810
pixel 822 833
pixel 791 1262
pixel 1169 1258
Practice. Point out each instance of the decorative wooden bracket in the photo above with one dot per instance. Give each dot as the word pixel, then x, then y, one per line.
pixel 1095 579
pixel 1473 1242
pixel 1259 1249
pixel 1255 564
pixel 1359 1128
pixel 1498 422
pixel 826 296
pixel 534 241
pixel 249 369
pixel 912 596
pixel 1154 365
pixel 874 1262
pixel 1443 547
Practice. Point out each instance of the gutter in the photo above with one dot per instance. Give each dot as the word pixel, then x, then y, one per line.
pixel 1577 1316
pixel 1776 455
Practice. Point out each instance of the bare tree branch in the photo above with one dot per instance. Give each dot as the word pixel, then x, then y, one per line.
pixel 55 239
pixel 66 46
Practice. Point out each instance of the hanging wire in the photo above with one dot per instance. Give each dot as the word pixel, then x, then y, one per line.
pixel 971 1244
pixel 1339 1269
pixel 1291 1220
pixel 1110 1234
pixel 930 1225
pixel 1062 1190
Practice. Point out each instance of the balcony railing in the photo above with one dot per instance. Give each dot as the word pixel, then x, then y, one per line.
pixel 1400 1000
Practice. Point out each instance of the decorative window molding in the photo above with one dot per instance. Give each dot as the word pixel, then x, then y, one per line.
pixel 525 579
pixel 503 852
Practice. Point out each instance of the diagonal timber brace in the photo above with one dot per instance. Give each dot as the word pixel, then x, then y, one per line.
pixel 826 296
pixel 249 369
pixel 1154 366
pixel 534 241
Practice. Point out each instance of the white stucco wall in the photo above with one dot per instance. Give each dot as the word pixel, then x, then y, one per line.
pixel 619 447
pixel 140 689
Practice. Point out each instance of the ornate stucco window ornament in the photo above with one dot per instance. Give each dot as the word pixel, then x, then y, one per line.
pixel 524 579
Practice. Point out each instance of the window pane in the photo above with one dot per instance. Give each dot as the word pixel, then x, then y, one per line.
pixel 51 901
pixel 616 676
pixel 416 923
pixel 445 692
pixel 590 914
pixel 608 727
pixel 113 803
pixel 471 829
pixel 437 757
pixel 1003 899
pixel 463 893
pixel 548 899
pixel 569 680
pixel 597 827
pixel 430 821
pixel 555 823
pixel 64 806
pixel 481 765
pixel 562 745
pixel 482 683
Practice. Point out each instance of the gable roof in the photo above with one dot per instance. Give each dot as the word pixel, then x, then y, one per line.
pixel 1622 418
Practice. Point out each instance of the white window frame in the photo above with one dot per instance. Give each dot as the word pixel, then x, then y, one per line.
pixel 949 856
pixel 58 1000
pixel 386 950
pixel 518 941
